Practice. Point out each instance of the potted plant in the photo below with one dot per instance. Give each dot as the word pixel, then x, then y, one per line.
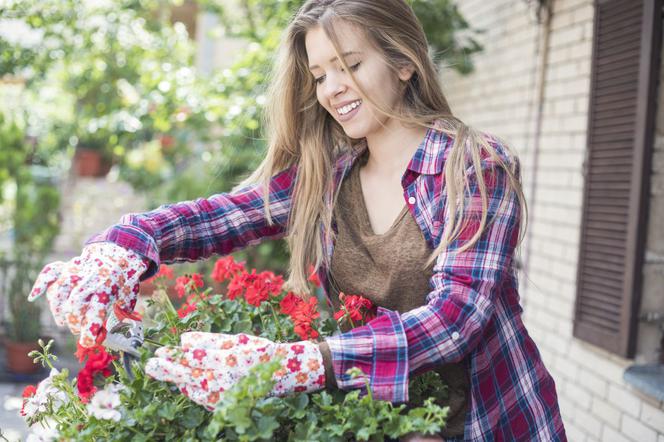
pixel 24 327
pixel 30 202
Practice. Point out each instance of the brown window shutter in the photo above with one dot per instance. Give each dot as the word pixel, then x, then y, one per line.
pixel 625 67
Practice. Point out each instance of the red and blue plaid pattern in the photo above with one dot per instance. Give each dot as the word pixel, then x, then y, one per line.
pixel 472 311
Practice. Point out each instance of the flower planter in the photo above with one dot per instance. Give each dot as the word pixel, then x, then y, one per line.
pixel 90 163
pixel 18 361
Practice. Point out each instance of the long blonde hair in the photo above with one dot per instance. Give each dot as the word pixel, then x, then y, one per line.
pixel 300 131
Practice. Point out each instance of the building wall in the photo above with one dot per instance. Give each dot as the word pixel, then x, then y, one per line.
pixel 502 97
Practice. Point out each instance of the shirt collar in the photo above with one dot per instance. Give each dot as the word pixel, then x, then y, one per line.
pixel 429 157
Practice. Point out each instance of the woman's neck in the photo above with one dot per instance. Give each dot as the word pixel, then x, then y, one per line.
pixel 392 148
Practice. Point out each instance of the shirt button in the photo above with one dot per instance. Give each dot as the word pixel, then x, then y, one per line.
pixel 455 336
pixel 411 200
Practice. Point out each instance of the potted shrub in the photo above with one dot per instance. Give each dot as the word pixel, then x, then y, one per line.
pixel 31 202
pixel 24 327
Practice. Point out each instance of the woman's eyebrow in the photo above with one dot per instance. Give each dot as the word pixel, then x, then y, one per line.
pixel 334 58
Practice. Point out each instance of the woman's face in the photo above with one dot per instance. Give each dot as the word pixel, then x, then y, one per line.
pixel 335 90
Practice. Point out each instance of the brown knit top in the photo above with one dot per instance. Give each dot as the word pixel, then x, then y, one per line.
pixel 388 270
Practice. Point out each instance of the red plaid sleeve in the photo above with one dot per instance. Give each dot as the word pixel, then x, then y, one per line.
pixel 193 230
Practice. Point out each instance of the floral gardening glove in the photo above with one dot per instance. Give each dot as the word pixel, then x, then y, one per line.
pixel 81 292
pixel 207 364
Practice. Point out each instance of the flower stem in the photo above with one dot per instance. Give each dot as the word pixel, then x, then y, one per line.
pixel 276 321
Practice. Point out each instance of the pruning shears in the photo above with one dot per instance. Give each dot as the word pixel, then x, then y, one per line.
pixel 126 337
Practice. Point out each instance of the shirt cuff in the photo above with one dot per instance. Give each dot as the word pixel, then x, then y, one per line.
pixel 380 350
pixel 330 379
pixel 134 239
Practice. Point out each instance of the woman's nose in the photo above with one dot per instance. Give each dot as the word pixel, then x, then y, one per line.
pixel 334 85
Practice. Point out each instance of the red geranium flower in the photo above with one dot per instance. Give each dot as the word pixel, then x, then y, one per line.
pixel 226 268
pixel 185 309
pixel 197 278
pixel 28 392
pixel 289 303
pixel 98 361
pixel 303 315
pixel 164 272
pixel 181 285
pixel 355 307
pixel 313 276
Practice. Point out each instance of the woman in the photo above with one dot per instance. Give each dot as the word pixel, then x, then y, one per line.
pixel 371 178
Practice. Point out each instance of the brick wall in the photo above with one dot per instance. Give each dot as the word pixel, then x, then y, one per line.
pixel 502 97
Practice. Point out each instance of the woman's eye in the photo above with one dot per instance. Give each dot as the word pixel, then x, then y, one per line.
pixel 353 68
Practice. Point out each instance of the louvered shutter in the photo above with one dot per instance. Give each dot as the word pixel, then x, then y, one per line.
pixel 625 67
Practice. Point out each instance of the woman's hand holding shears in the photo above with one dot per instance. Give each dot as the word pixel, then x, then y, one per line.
pixel 81 292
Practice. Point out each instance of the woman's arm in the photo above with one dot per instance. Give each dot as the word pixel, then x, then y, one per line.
pixel 395 346
pixel 193 230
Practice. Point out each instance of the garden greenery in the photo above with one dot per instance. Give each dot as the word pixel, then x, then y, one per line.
pixel 141 408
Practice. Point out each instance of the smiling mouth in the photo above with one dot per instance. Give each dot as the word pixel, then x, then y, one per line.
pixel 348 108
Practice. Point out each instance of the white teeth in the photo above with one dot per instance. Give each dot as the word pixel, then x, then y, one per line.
pixel 349 107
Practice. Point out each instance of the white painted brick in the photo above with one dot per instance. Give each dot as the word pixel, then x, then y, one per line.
pixel 585 13
pixel 574 432
pixel 611 435
pixel 595 360
pixel 567 409
pixel 624 400
pixel 562 20
pixel 636 431
pixel 578 395
pixel 581 50
pixel 590 424
pixel 565 311
pixel 653 417
pixel 609 414
pixel 559 344
pixel 593 383
pixel 567 368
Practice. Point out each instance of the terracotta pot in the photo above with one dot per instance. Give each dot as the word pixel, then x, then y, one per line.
pixel 17 357
pixel 90 163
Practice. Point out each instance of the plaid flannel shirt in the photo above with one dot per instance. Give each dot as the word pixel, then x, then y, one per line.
pixel 472 312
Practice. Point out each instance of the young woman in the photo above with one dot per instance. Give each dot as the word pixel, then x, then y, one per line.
pixel 372 179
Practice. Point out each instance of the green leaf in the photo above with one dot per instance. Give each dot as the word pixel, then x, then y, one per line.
pixel 167 411
pixel 242 327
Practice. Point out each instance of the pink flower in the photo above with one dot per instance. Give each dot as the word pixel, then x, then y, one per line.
pixel 294 364
pixel 297 348
pixel 242 339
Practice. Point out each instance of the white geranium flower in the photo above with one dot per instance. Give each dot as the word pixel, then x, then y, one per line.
pixel 105 404
pixel 43 432
pixel 45 391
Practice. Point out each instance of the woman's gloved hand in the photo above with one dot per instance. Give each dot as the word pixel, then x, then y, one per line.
pixel 207 364
pixel 80 292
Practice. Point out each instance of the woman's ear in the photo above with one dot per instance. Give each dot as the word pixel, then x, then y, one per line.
pixel 406 72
